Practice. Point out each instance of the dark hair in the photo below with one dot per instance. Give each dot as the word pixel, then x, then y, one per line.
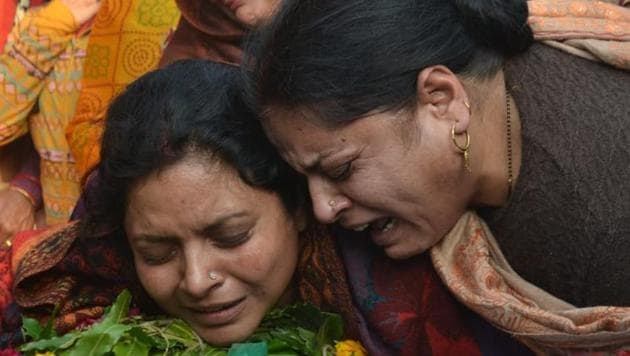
pixel 189 107
pixel 344 58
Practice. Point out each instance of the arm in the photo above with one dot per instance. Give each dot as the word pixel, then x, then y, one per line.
pixel 21 200
pixel 35 44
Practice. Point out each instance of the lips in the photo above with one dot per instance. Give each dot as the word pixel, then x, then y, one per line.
pixel 219 313
pixel 382 234
pixel 378 225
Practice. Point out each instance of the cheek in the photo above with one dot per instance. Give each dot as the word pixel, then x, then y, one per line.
pixel 160 282
pixel 268 266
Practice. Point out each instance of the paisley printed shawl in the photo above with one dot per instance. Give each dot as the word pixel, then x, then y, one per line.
pixel 595 30
pixel 44 269
pixel 471 264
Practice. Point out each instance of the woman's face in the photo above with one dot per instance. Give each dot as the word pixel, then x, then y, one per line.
pixel 210 249
pixel 394 174
pixel 250 13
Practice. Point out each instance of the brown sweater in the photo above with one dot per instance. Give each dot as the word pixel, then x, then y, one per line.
pixel 567 226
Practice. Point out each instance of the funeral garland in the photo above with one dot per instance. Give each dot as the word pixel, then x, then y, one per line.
pixel 299 329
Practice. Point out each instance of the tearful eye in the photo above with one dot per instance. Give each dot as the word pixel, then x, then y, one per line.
pixel 155 259
pixel 232 241
pixel 341 172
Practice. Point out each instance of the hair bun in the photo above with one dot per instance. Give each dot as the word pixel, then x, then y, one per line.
pixel 497 24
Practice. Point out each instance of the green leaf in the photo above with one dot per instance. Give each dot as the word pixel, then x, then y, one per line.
pixel 275 346
pixel 131 348
pixel 331 330
pixel 214 352
pixel 118 311
pixel 50 344
pixel 248 349
pixel 49 330
pixel 180 331
pixel 292 338
pixel 96 342
pixel 31 328
pixel 139 334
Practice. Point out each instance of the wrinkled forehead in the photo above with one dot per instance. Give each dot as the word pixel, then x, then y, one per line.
pixel 299 135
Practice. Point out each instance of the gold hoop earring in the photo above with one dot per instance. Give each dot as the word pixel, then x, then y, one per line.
pixel 463 149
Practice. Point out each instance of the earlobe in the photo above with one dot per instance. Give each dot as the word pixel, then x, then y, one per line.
pixel 442 93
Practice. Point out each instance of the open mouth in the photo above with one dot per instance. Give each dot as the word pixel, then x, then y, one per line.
pixel 219 307
pixel 379 225
pixel 220 314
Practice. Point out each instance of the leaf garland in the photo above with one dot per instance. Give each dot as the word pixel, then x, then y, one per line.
pixel 295 330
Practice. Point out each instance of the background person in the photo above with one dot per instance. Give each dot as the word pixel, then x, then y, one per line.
pixel 206 30
pixel 41 66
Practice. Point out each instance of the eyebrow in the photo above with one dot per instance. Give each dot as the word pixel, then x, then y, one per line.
pixel 315 164
pixel 205 230
pixel 221 221
pixel 154 239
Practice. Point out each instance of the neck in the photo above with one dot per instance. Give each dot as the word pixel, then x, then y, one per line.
pixel 490 142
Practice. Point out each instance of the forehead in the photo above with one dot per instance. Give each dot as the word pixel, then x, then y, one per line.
pixel 302 138
pixel 211 186
pixel 298 134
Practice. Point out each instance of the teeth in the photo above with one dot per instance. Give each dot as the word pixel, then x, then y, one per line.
pixel 361 228
pixel 389 225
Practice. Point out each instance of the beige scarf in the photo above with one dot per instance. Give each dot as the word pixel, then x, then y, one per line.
pixel 470 263
pixel 595 30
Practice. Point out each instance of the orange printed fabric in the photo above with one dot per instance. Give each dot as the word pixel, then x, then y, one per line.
pixel 595 30
pixel 127 40
pixel 470 263
pixel 40 71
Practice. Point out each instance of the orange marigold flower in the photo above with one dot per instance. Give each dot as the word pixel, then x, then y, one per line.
pixel 349 348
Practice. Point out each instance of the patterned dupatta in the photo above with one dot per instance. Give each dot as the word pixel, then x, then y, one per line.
pixel 49 268
pixel 471 264
pixel 595 30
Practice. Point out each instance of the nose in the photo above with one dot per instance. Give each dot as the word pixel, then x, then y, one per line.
pixel 201 274
pixel 328 201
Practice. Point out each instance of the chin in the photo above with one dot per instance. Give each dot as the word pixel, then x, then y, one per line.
pixel 398 252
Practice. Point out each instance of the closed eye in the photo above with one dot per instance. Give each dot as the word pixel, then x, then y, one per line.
pixel 341 172
pixel 158 257
pixel 233 241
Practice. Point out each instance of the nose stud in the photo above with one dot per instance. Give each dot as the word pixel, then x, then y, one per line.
pixel 213 276
pixel 332 204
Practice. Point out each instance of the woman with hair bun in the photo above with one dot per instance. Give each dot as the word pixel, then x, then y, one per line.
pixel 441 125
